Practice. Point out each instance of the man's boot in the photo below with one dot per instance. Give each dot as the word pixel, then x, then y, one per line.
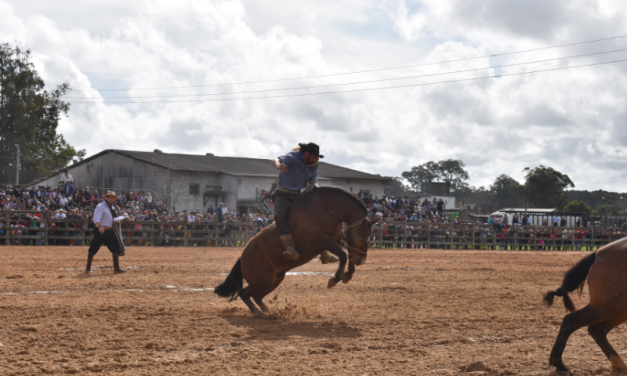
pixel 90 258
pixel 290 250
pixel 116 264
pixel 327 257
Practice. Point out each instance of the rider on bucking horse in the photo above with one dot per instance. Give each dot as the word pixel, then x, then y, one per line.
pixel 299 169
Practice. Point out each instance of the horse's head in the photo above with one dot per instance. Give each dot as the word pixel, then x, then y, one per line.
pixel 358 236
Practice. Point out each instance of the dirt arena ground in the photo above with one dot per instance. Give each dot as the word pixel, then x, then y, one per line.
pixel 410 312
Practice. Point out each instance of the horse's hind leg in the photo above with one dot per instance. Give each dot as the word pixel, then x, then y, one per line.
pixel 253 290
pixel 245 296
pixel 586 316
pixel 599 334
pixel 259 298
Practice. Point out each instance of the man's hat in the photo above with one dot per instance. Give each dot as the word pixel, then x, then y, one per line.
pixel 312 148
pixel 111 193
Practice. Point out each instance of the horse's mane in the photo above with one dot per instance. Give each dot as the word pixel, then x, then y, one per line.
pixel 343 191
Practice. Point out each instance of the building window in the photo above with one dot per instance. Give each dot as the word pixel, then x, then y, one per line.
pixel 194 188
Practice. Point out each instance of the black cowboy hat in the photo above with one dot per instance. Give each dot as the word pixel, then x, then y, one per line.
pixel 312 148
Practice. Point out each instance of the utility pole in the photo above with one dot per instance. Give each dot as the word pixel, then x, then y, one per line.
pixel 17 166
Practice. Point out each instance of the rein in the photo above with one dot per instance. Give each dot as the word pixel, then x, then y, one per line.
pixel 344 243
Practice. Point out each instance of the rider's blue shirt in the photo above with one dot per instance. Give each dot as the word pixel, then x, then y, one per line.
pixel 298 175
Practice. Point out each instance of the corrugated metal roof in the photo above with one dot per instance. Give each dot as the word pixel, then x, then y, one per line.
pixel 237 165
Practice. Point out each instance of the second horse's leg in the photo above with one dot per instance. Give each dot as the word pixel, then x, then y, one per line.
pixel 586 316
pixel 599 334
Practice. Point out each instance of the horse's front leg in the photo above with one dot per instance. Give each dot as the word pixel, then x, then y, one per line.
pixel 334 248
pixel 351 269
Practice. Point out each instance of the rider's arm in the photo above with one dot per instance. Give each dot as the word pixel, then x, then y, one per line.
pixel 276 163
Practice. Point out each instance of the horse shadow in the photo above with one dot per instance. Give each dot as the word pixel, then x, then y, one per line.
pixel 276 328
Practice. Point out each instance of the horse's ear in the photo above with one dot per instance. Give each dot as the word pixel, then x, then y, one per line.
pixel 373 221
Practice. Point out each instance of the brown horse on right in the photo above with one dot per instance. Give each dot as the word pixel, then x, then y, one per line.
pixel 606 271
pixel 315 220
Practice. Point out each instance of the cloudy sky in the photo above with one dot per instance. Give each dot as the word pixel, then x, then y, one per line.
pixel 253 78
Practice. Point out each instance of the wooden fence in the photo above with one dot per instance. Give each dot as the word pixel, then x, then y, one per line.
pixel 408 235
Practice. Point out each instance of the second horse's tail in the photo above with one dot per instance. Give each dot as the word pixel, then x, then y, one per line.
pixel 574 279
pixel 234 282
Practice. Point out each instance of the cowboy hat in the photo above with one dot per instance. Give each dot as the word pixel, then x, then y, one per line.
pixel 312 148
pixel 111 193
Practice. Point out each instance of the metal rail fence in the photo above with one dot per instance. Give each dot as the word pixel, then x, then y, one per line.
pixel 16 229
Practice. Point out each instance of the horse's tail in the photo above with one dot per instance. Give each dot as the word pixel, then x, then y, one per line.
pixel 234 282
pixel 574 279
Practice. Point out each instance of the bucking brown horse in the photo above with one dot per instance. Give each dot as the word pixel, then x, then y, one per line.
pixel 316 220
pixel 606 271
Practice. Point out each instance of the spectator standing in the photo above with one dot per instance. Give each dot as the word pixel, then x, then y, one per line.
pixel 65 177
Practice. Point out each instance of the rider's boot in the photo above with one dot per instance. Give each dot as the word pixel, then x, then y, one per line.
pixel 290 252
pixel 116 264
pixel 327 257
pixel 90 258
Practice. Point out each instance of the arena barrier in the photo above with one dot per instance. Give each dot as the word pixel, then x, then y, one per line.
pixel 17 229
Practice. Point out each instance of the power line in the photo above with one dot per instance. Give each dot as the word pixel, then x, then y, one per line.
pixel 361 82
pixel 367 70
pixel 363 89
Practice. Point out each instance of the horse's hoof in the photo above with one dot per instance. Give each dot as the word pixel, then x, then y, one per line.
pixel 346 278
pixel 559 373
pixel 261 315
pixel 327 258
pixel 331 283
pixel 291 255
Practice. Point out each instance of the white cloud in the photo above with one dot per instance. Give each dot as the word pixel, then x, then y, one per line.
pixel 572 120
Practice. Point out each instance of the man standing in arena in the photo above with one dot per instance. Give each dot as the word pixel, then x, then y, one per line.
pixel 104 233
pixel 299 170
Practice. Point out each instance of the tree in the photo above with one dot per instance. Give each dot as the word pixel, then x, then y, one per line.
pixel 506 191
pixel 577 207
pixel 450 170
pixel 396 188
pixel 29 117
pixel 544 187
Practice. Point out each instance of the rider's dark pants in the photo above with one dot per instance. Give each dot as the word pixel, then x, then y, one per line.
pixel 282 204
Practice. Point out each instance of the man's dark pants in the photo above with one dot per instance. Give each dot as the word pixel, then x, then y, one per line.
pixel 107 238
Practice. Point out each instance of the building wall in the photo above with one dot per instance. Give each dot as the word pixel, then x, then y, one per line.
pixel 119 173
pixel 183 200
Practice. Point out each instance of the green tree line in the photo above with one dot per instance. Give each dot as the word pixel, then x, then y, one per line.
pixel 543 187
pixel 29 117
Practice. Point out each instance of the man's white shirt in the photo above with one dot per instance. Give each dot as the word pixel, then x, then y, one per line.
pixel 67 178
pixel 102 215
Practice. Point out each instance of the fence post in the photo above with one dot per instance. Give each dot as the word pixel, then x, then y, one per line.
pixel 151 235
pixel 428 235
pixel 494 238
pixel 184 226
pixel 8 227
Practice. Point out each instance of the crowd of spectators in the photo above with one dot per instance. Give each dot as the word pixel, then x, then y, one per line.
pixel 67 209
pixel 403 220
pixel 405 209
